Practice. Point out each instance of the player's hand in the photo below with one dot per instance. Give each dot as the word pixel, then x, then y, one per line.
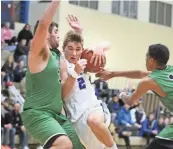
pixel 104 75
pixel 80 66
pixel 74 23
pixel 98 53
pixel 97 57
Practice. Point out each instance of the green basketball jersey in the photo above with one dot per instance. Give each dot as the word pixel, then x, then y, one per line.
pixel 164 78
pixel 43 89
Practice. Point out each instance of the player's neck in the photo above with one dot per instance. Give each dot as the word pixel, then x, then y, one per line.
pixel 50 47
pixel 161 67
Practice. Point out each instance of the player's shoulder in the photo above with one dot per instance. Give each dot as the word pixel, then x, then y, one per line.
pixel 170 67
pixel 147 83
pixel 146 79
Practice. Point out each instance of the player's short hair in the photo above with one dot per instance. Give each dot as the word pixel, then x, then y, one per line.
pixel 160 53
pixel 50 27
pixel 72 36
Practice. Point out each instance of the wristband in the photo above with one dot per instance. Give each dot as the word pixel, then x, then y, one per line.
pixel 70 69
pixel 121 97
pixel 72 72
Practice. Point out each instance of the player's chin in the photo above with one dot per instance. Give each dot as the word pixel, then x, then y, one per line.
pixel 74 61
pixel 56 45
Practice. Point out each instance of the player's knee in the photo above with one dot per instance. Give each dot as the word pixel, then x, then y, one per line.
pixel 93 121
pixel 63 142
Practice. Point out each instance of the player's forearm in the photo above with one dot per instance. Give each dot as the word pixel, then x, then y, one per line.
pixel 67 87
pixel 134 74
pixel 50 13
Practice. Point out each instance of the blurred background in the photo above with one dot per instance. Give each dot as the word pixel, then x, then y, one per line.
pixel 130 27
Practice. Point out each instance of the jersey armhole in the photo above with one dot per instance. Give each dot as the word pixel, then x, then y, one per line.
pixel 48 61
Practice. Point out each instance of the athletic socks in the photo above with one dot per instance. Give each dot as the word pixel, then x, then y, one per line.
pixel 113 147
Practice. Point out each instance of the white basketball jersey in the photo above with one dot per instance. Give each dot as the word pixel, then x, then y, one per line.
pixel 82 97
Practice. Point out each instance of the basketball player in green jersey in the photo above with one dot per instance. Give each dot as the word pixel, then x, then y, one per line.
pixel 158 80
pixel 43 106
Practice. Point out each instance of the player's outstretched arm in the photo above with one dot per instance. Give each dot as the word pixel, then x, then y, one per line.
pixel 39 40
pixel 134 74
pixel 142 88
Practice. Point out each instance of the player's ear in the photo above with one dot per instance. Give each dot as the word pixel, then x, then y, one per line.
pixel 152 60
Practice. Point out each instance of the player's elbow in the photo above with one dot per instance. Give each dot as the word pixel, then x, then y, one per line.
pixel 143 74
pixel 40 29
pixel 43 23
pixel 64 95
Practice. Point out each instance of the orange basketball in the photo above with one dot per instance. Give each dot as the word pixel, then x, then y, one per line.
pixel 86 54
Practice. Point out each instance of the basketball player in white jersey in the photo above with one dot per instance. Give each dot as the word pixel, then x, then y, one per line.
pixel 87 114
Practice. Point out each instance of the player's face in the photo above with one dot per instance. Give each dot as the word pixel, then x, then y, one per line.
pixel 149 62
pixel 73 51
pixel 54 38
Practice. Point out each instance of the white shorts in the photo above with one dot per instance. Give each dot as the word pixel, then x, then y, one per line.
pixel 87 137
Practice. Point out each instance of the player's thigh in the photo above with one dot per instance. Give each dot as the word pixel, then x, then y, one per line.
pixel 41 125
pixel 67 126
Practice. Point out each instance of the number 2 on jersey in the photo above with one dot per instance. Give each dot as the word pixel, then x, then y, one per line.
pixel 81 82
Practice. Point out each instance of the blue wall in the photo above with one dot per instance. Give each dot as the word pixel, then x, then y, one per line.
pixel 5 12
pixel 23 14
pixel 24 11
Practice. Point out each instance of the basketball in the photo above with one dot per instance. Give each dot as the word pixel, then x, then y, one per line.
pixel 86 54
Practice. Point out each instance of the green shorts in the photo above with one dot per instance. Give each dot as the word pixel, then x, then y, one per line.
pixel 43 125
